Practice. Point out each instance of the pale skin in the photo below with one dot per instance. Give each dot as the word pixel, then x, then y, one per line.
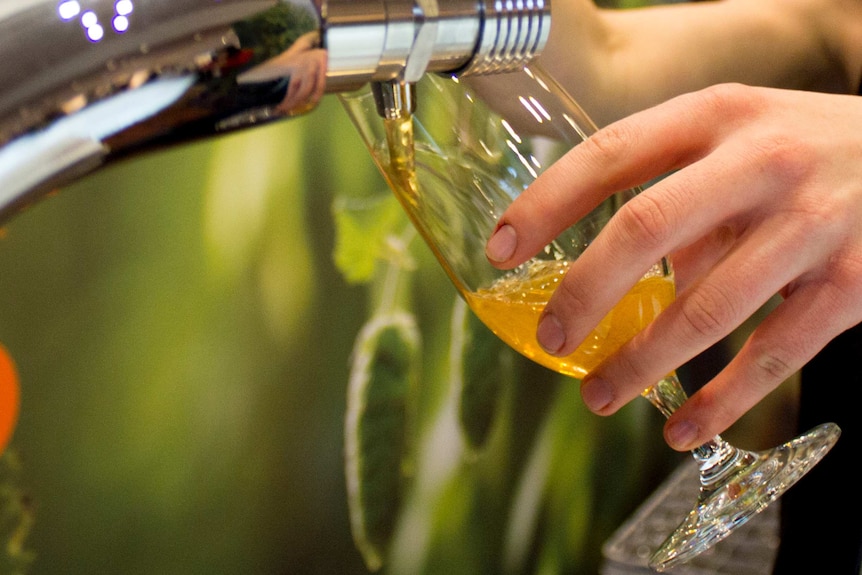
pixel 750 104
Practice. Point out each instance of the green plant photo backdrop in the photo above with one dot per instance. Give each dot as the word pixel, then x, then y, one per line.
pixel 238 357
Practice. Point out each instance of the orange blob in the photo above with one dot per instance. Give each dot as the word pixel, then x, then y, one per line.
pixel 9 398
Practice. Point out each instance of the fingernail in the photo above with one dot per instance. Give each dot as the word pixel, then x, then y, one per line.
pixel 550 334
pixel 597 394
pixel 502 244
pixel 680 434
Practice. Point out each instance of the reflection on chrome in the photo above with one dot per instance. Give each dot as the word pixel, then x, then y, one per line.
pixel 92 81
pixel 70 10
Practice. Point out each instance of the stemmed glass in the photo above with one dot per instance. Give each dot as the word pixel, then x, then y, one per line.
pixel 455 166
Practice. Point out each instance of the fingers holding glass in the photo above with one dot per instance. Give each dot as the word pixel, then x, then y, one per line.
pixel 621 156
pixel 774 351
pixel 737 250
pixel 711 308
pixel 670 215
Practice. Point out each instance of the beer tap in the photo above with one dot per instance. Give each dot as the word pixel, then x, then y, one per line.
pixel 86 82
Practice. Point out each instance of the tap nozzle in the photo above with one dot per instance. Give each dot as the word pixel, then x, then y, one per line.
pixel 395 99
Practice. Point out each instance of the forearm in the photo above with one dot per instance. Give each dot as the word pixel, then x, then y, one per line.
pixel 616 62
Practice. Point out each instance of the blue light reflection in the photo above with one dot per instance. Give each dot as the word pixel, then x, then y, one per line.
pixel 121 24
pixel 68 9
pixel 94 31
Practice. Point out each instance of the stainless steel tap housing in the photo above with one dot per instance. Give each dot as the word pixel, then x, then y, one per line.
pixel 85 82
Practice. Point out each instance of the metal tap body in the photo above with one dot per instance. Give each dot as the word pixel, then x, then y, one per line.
pixel 85 82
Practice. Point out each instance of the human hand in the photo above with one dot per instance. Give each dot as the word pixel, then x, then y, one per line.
pixel 765 197
pixel 307 81
pixel 304 64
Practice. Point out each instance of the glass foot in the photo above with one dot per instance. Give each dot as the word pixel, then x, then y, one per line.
pixel 757 480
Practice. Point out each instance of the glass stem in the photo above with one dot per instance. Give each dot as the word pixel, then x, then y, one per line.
pixel 716 459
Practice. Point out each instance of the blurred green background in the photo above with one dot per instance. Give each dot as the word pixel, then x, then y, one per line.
pixel 184 326
pixel 184 337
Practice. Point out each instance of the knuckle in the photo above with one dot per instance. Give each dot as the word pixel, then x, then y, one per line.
pixel 773 368
pixel 646 221
pixel 727 100
pixel 734 99
pixel 708 311
pixel 782 156
pixel 775 148
pixel 845 277
pixel 572 297
pixel 770 365
pixel 629 372
pixel 611 140
pixel 834 298
pixel 770 369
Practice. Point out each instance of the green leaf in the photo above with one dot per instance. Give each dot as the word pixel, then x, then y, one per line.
pixel 486 365
pixel 378 429
pixel 364 232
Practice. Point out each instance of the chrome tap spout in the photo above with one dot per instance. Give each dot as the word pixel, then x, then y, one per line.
pixel 86 82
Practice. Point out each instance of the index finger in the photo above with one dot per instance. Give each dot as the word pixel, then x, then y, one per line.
pixel 621 156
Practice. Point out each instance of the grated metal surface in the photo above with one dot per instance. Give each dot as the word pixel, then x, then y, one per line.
pixel 748 551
